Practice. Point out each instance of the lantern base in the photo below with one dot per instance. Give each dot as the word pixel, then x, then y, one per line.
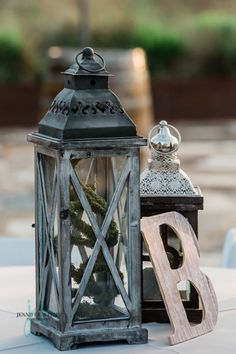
pixel 161 316
pixel 73 338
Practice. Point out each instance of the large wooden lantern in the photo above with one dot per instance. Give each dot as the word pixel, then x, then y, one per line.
pixel 165 187
pixel 88 252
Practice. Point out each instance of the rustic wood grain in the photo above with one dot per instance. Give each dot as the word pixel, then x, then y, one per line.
pixel 169 278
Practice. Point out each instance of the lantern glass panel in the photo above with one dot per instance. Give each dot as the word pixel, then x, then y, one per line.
pixel 47 177
pixel 101 299
pixel 52 306
pixel 100 178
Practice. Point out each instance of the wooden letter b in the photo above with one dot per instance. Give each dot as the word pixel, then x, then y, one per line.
pixel 169 278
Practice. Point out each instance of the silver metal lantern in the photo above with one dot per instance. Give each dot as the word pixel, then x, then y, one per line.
pixel 165 187
pixel 88 252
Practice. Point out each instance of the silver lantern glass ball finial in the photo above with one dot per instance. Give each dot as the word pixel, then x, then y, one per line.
pixel 164 177
pixel 163 141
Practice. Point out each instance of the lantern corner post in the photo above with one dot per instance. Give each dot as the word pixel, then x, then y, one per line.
pixel 38 217
pixel 134 239
pixel 64 244
pixel 135 243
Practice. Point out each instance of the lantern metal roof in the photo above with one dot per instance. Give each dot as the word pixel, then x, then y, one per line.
pixel 86 108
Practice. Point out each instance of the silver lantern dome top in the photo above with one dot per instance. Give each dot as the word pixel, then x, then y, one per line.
pixel 163 141
pixel 164 177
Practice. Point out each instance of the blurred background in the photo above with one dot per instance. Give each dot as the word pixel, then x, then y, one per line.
pixel 173 60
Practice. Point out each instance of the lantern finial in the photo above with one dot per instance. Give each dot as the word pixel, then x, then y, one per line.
pixel 162 141
pixel 88 62
pixel 88 52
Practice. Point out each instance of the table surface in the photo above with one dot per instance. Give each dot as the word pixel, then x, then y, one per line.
pixel 17 295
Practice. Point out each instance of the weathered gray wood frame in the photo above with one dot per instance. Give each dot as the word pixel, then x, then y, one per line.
pixel 64 333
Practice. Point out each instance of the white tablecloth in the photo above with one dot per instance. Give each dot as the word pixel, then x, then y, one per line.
pixel 17 295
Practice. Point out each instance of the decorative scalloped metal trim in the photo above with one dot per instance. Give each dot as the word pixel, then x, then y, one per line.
pixel 65 108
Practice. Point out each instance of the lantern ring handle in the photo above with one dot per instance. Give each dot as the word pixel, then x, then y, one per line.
pixel 91 71
pixel 174 129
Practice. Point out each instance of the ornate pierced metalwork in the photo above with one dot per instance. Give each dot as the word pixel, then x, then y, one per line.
pixel 166 183
pixel 65 108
